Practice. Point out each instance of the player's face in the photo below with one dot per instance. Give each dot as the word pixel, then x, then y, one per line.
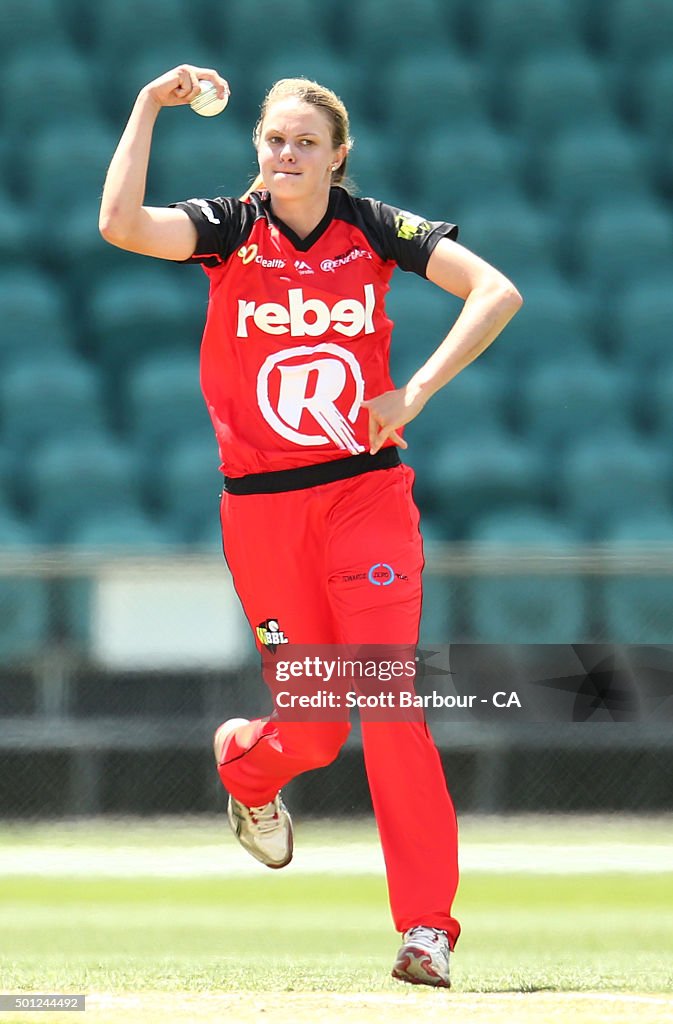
pixel 295 150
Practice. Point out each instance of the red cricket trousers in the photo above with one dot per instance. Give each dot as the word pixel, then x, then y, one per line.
pixel 316 564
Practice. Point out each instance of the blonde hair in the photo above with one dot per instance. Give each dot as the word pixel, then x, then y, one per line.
pixel 320 96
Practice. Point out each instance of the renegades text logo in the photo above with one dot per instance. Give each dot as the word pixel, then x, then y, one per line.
pixel 311 317
pixel 312 395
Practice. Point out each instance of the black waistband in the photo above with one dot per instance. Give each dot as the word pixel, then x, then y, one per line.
pixel 310 476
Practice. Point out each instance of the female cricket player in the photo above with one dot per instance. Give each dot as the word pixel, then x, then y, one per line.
pixel 294 371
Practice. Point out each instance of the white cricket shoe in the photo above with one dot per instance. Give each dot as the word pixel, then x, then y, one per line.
pixel 423 959
pixel 266 831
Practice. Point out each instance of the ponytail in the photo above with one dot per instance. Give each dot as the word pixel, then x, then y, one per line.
pixel 257 184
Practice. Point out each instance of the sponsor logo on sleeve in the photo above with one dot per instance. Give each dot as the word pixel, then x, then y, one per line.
pixel 410 226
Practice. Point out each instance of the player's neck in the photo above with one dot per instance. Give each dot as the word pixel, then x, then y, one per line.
pixel 302 216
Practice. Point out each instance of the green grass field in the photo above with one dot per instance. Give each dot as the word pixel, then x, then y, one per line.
pixel 304 947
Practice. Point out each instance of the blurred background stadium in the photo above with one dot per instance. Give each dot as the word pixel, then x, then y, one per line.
pixel 545 471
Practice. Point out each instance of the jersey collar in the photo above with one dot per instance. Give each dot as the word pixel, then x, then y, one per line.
pixel 303 244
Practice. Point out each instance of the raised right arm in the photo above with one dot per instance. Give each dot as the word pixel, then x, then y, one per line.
pixel 124 221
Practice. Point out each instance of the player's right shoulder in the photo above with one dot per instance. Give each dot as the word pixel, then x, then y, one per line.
pixel 222 224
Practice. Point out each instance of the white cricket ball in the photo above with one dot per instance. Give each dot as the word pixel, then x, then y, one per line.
pixel 208 103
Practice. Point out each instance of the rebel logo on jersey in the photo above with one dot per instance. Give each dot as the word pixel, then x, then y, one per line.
pixel 312 317
pixel 299 389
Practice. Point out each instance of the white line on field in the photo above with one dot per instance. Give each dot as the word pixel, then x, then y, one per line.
pixel 227 860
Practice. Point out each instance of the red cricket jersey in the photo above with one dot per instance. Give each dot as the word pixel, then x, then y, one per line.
pixel 297 334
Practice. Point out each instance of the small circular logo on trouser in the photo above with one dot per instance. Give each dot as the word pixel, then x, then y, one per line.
pixel 381 582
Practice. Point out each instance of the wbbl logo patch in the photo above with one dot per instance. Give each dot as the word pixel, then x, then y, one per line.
pixel 270 635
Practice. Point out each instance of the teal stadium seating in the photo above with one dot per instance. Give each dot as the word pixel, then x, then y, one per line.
pixel 563 400
pixel 554 324
pixel 195 158
pixel 24 602
pixel 605 478
pixel 53 398
pixel 30 22
pixel 542 128
pixel 155 309
pixel 36 322
pixel 452 91
pixel 512 235
pixel 639 331
pixel 636 608
pixel 64 76
pixel 164 405
pixel 479 470
pixel 451 173
pixel 632 240
pixel 63 165
pixel 637 31
pixel 121 31
pixel 189 490
pixel 70 479
pixel 584 169
pixel 551 93
pixel 13 247
pixel 527 608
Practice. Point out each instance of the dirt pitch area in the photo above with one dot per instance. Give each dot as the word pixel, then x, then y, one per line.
pixel 422 1006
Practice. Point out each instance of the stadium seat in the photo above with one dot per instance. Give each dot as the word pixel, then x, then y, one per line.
pixel 531 607
pixel 438 614
pixel 77 253
pixel 195 158
pixel 341 73
pixel 122 30
pixel 36 21
pixel 642 527
pixel 165 404
pixel 69 480
pixel 369 166
pixel 659 399
pixel 563 400
pixel 473 402
pixel 639 328
pixel 450 173
pixel 602 479
pixel 12 230
pixel 515 237
pixel 475 471
pixel 24 601
pixel 190 488
pixel 128 529
pixel 63 165
pixel 64 76
pixel 581 168
pixel 440 93
pixel 595 256
pixel 422 315
pixel 638 31
pixel 553 324
pixel 554 93
pixel 650 92
pixel 376 32
pixel 156 309
pixel 52 398
pixel 510 31
pixel 35 320
pixel 149 62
